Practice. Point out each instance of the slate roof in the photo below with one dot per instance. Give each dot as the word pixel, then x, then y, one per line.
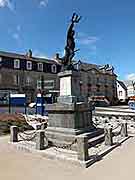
pixel 22 56
pixel 122 84
pixel 88 67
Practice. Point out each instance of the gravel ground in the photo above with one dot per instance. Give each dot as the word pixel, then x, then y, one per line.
pixel 119 164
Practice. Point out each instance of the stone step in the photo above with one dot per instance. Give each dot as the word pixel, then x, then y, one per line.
pixel 96 140
pixel 95 133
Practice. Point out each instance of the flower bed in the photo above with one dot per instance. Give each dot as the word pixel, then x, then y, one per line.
pixel 7 120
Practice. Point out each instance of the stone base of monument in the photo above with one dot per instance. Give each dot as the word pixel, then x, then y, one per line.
pixel 71 115
pixel 68 156
pixel 67 121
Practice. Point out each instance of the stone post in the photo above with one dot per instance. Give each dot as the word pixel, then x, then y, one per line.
pixel 13 134
pixel 124 132
pixel 40 140
pixel 108 136
pixel 82 143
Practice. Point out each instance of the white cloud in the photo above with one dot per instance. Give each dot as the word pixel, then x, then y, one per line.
pixel 16 36
pixel 7 3
pixel 39 54
pixel 87 40
pixel 130 76
pixel 43 3
pixel 16 33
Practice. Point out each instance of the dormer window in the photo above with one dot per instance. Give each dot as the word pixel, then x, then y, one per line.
pixel 0 78
pixel 28 80
pixel 16 63
pixel 29 65
pixel 40 66
pixel 54 68
pixel 0 61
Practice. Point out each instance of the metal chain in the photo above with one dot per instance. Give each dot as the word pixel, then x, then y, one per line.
pixel 118 133
pixel 66 146
pixel 116 127
pixel 29 133
pixel 27 138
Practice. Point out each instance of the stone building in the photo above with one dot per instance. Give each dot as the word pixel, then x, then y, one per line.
pixel 98 81
pixel 130 84
pixel 22 74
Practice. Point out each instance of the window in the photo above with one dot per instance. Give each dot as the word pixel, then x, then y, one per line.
pixel 97 79
pixel 120 93
pixel 89 87
pixel 98 88
pixel 28 80
pixel 16 63
pixel 0 78
pixel 54 68
pixel 16 79
pixel 38 84
pixel 40 66
pixel 93 71
pixel 29 65
pixel 49 84
pixel 0 60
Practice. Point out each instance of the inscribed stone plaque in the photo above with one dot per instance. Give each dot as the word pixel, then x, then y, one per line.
pixel 65 86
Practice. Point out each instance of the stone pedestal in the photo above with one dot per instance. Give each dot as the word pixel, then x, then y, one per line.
pixel 73 118
pixel 67 121
pixel 70 116
pixel 69 87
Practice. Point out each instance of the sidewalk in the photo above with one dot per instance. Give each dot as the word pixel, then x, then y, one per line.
pixel 119 164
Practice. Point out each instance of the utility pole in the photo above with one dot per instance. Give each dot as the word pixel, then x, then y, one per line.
pixel 42 95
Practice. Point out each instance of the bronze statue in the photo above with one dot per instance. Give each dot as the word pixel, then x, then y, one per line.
pixel 70 44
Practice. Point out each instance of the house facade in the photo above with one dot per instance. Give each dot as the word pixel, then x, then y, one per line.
pixel 23 74
pixel 28 74
pixel 98 81
pixel 130 84
pixel 122 91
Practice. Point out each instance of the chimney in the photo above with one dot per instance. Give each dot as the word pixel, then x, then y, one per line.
pixel 57 56
pixel 29 53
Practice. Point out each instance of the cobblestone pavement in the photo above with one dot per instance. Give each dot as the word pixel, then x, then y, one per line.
pixel 119 164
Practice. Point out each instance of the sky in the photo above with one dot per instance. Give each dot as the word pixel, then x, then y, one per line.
pixel 105 34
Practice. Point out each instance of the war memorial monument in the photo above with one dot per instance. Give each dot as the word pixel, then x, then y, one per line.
pixel 70 122
pixel 71 115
